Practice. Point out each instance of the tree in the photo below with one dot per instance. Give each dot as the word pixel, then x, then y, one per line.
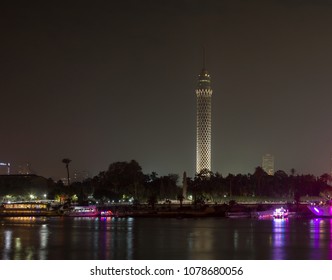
pixel 66 161
pixel 325 178
pixel 152 200
pixel 180 198
pixel 126 178
pixel 292 171
pixel 230 179
pixel 258 176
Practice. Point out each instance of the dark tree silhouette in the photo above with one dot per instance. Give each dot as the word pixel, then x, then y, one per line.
pixel 66 161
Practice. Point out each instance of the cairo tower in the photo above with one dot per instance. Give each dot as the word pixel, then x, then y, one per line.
pixel 203 136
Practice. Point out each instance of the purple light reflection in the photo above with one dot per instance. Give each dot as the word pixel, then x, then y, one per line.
pixel 317 232
pixel 280 228
pixel 330 239
pixel 106 237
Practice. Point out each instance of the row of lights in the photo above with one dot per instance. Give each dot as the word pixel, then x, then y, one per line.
pixel 32 196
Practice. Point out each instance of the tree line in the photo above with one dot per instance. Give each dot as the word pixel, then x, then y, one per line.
pixel 125 181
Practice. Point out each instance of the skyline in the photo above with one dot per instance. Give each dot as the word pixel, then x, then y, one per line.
pixel 107 82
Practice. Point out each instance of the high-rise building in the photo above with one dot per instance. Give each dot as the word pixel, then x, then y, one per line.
pixel 268 164
pixel 4 168
pixel 203 121
pixel 80 176
pixel 24 168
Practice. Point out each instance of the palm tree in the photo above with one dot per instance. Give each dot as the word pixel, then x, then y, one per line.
pixel 180 198
pixel 66 161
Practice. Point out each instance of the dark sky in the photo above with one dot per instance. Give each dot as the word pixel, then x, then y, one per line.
pixel 106 81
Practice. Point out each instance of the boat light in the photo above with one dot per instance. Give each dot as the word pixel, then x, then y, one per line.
pixel 316 210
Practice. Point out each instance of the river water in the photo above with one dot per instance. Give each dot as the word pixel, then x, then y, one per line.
pixel 65 238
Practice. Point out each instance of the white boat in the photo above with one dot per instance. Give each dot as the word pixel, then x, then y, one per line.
pixel 265 214
pixel 324 210
pixel 82 211
pixel 280 213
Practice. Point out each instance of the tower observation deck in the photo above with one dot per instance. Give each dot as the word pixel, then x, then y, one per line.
pixel 203 121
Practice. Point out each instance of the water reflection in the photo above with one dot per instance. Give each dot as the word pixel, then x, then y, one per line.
pixel 106 237
pixel 200 242
pixel 19 236
pixel 279 230
pixel 116 238
pixel 43 236
pixel 7 244
pixel 330 240
pixel 151 238
pixel 316 226
pixel 320 238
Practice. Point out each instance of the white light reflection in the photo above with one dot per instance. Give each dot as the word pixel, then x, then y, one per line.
pixel 236 239
pixel 18 244
pixel 278 239
pixel 130 246
pixel 8 243
pixel 43 235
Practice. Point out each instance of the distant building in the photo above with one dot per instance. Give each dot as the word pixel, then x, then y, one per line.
pixel 268 164
pixel 80 176
pixel 24 168
pixel 65 181
pixel 4 168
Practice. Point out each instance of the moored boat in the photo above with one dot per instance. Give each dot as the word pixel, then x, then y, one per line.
pixel 280 213
pixel 82 211
pixel 26 208
pixel 106 213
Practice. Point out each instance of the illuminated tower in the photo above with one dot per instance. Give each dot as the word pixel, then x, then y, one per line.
pixel 268 164
pixel 203 120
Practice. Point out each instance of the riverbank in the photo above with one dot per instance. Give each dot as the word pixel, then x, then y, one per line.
pixel 217 210
pixel 172 210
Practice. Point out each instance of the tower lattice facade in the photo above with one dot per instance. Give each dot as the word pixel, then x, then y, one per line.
pixel 203 136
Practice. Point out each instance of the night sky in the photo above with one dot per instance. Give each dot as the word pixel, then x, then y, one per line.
pixel 106 81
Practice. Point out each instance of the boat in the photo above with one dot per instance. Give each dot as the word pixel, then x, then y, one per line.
pixel 106 213
pixel 280 213
pixel 324 210
pixel 26 208
pixel 264 214
pixel 82 211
